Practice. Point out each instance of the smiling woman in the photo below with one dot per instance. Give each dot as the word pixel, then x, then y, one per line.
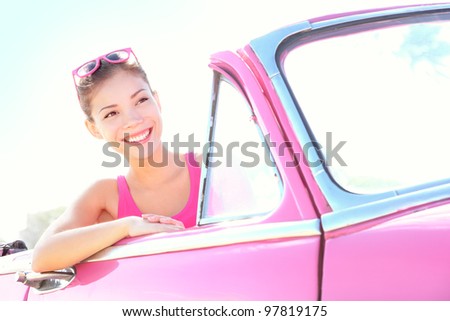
pixel 36 88
pixel 121 108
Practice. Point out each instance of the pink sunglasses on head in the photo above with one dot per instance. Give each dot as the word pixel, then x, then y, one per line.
pixel 114 57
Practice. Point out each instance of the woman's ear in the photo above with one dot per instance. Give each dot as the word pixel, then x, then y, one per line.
pixel 90 125
pixel 156 97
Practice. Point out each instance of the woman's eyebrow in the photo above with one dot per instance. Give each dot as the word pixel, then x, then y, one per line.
pixel 137 92
pixel 106 107
pixel 115 105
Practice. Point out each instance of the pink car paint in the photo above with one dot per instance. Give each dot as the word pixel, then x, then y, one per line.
pixel 415 246
pixel 222 273
pixel 279 113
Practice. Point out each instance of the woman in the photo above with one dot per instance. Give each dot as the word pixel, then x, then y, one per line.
pixel 158 194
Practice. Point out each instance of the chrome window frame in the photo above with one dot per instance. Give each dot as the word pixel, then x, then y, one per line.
pixel 273 48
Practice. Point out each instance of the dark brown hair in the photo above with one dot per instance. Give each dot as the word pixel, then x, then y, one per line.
pixel 87 86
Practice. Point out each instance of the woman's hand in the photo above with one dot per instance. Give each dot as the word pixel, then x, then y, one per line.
pixel 151 223
pixel 153 218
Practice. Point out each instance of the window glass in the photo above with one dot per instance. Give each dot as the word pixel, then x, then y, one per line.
pixel 383 96
pixel 242 179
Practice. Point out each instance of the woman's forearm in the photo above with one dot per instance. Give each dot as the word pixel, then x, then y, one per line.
pixel 69 247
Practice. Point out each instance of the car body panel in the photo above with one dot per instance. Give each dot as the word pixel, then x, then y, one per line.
pixel 413 243
pixel 8 266
pixel 16 291
pixel 234 272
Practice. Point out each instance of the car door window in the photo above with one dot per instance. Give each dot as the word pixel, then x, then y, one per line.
pixel 242 180
pixel 384 94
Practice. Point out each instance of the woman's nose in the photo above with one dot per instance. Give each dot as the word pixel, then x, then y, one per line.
pixel 132 118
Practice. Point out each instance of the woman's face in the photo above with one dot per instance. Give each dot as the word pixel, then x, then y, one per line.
pixel 127 114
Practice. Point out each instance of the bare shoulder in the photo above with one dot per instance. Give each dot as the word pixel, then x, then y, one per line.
pixel 98 199
pixel 101 195
pixel 102 186
pixel 99 191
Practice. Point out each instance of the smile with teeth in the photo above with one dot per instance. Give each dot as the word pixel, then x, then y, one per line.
pixel 138 138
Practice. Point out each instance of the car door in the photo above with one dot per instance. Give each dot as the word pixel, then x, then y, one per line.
pixel 375 84
pixel 254 240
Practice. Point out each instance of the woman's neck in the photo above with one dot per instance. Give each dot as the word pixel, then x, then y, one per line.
pixel 161 166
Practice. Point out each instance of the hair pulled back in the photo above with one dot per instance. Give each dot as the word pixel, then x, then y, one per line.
pixel 87 86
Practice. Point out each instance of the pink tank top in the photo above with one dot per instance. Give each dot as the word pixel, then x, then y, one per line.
pixel 127 206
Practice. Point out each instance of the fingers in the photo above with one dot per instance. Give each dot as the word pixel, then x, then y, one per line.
pixel 159 227
pixel 153 218
pixel 146 228
pixel 138 226
pixel 169 220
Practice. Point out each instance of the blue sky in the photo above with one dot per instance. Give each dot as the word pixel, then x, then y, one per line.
pixel 47 155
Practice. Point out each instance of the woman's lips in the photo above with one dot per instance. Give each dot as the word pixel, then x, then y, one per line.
pixel 138 138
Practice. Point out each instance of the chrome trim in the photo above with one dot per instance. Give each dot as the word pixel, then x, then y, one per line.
pixel 47 282
pixel 382 13
pixel 266 49
pixel 338 198
pixel 230 218
pixel 375 210
pixel 210 237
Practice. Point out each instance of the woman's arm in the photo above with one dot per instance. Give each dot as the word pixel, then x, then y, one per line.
pixel 76 235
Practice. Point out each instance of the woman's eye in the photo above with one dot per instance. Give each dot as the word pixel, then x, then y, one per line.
pixel 108 115
pixel 142 100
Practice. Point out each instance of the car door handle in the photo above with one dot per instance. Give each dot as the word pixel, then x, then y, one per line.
pixel 47 282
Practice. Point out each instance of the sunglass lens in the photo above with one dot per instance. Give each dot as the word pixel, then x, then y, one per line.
pixel 117 56
pixel 86 68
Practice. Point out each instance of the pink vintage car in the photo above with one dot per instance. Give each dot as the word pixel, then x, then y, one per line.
pixel 326 176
